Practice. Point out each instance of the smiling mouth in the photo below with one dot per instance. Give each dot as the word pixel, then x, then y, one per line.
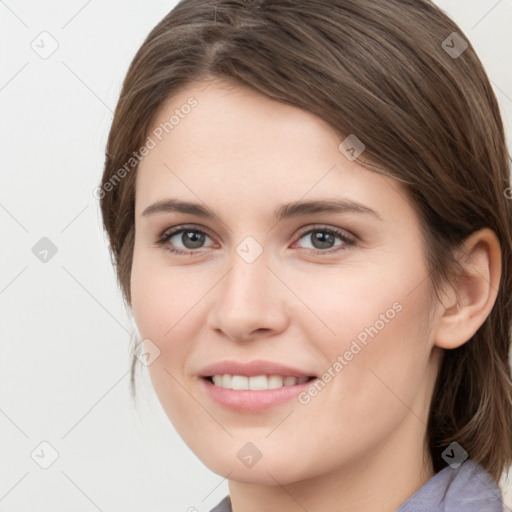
pixel 256 383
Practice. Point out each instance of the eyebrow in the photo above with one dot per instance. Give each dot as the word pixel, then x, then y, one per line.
pixel 284 211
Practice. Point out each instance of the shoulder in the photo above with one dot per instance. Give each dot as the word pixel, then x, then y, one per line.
pixel 469 488
pixel 223 506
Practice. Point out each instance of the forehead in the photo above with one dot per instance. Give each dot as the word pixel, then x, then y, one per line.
pixel 231 122
pixel 224 142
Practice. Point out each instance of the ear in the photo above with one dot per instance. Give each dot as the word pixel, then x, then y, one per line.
pixel 467 304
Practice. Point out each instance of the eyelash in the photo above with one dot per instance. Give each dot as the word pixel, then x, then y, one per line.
pixel 347 240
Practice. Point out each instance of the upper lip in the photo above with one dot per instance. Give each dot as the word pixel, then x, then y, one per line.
pixel 252 369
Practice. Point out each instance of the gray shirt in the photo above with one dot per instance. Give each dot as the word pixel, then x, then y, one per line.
pixel 468 488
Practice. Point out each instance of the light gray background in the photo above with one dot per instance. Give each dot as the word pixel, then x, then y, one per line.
pixel 64 333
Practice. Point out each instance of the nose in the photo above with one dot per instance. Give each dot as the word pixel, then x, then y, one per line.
pixel 249 302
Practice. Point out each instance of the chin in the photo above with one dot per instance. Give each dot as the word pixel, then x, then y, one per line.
pixel 269 470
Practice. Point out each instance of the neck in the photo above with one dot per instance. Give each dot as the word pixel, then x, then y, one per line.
pixel 381 479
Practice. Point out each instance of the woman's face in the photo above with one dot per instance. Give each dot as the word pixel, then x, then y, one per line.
pixel 340 293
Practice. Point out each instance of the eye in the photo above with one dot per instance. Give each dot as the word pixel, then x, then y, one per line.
pixel 323 240
pixel 187 240
pixel 191 238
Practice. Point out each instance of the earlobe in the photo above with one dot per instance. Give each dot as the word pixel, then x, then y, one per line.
pixel 467 304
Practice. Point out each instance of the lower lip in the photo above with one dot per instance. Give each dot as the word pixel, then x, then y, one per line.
pixel 253 401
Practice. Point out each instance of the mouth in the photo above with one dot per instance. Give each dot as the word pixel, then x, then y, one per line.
pixel 253 386
pixel 256 383
pixel 254 394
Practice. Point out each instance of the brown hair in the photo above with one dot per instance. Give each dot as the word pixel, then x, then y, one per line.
pixel 386 71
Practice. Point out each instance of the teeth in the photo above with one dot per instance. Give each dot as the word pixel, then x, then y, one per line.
pixel 289 381
pixel 274 381
pixel 258 383
pixel 226 381
pixel 239 382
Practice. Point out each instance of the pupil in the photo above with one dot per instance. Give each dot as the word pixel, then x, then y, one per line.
pixel 322 240
pixel 192 239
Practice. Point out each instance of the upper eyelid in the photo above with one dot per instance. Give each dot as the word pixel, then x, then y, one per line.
pixel 326 227
pixel 183 227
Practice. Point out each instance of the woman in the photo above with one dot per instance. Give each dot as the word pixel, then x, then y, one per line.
pixel 307 211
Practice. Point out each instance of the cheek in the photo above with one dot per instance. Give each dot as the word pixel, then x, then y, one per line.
pixel 163 309
pixel 168 306
pixel 377 344
pixel 364 302
pixel 163 298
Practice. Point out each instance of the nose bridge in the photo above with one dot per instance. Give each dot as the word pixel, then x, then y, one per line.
pixel 247 299
pixel 246 283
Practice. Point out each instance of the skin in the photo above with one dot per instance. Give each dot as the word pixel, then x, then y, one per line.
pixel 361 440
